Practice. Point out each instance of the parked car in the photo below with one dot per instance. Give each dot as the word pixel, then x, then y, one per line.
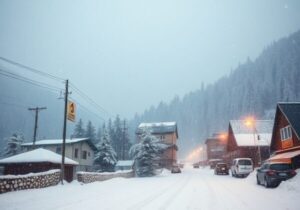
pixel 221 168
pixel 271 174
pixel 196 165
pixel 213 162
pixel 175 169
pixel 181 165
pixel 241 167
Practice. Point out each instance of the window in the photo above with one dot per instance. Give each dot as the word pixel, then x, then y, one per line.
pixel 84 155
pixel 286 133
pixel 162 137
pixel 58 150
pixel 76 153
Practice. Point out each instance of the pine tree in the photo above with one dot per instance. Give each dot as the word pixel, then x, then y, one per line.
pixel 106 156
pixel 13 146
pixel 146 154
pixel 90 132
pixel 118 136
pixel 126 144
pixel 79 131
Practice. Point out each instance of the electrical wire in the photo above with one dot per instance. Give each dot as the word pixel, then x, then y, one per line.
pixel 30 81
pixel 87 110
pixel 89 100
pixel 32 69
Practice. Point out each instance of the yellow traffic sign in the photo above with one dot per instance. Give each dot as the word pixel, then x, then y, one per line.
pixel 71 111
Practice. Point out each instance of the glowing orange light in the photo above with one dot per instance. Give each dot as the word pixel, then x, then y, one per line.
pixel 249 121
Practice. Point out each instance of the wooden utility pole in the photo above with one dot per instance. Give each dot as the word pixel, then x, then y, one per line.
pixel 36 109
pixel 64 133
pixel 123 140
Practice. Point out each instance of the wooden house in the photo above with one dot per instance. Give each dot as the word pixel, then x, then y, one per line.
pixel 285 144
pixel 167 132
pixel 245 142
pixel 38 160
pixel 81 150
pixel 216 146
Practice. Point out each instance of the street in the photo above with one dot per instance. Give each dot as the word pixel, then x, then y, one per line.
pixel 192 189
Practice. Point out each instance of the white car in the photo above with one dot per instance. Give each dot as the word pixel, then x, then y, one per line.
pixel 241 167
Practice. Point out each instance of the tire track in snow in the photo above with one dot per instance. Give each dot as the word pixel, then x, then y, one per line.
pixel 175 194
pixel 153 197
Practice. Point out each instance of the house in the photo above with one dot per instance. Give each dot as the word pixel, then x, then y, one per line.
pixel 245 142
pixel 124 165
pixel 38 160
pixel 168 133
pixel 285 144
pixel 216 146
pixel 81 150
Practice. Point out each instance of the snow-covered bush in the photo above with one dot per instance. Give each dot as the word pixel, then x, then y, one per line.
pixel 106 156
pixel 13 145
pixel 146 154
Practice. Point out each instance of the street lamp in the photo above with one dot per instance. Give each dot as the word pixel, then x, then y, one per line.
pixel 250 122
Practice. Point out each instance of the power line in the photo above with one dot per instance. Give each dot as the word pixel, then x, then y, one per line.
pixel 88 99
pixel 30 81
pixel 87 110
pixel 32 69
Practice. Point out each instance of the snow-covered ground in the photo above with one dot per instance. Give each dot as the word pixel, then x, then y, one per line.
pixel 192 189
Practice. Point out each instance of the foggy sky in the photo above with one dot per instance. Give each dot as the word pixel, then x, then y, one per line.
pixel 129 55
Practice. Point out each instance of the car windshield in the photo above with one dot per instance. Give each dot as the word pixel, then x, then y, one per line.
pixel 222 165
pixel 245 162
pixel 280 167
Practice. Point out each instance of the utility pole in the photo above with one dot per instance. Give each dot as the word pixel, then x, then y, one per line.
pixel 123 141
pixel 36 109
pixel 64 133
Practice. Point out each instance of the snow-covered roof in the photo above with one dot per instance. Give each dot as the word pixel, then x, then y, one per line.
pixel 159 127
pixel 36 156
pixel 125 163
pixel 59 142
pixel 55 141
pixel 244 135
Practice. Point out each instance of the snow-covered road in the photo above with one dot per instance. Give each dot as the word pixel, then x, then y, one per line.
pixel 192 189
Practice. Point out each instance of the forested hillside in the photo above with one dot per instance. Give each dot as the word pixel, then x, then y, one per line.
pixel 252 88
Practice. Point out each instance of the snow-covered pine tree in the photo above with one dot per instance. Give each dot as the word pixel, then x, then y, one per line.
pixel 147 154
pixel 79 131
pixel 90 132
pixel 13 146
pixel 106 156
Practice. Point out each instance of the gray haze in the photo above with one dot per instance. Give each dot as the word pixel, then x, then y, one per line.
pixel 128 55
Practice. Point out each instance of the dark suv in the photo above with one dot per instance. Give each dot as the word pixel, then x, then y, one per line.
pixel 271 174
pixel 221 168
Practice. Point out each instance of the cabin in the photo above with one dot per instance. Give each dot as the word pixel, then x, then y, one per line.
pixel 82 150
pixel 38 160
pixel 247 142
pixel 167 132
pixel 124 165
pixel 216 146
pixel 285 143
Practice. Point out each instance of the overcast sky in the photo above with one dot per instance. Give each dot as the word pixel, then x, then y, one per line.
pixel 129 55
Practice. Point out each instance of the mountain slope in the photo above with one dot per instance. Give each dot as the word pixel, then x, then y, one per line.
pixel 252 88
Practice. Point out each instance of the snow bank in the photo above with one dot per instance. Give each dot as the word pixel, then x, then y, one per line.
pixel 291 184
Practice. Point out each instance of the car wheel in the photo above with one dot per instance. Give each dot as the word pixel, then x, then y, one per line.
pixel 257 180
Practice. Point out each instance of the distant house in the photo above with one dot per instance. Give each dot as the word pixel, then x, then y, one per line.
pixel 38 160
pixel 168 133
pixel 245 142
pixel 215 147
pixel 124 165
pixel 81 150
pixel 285 144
